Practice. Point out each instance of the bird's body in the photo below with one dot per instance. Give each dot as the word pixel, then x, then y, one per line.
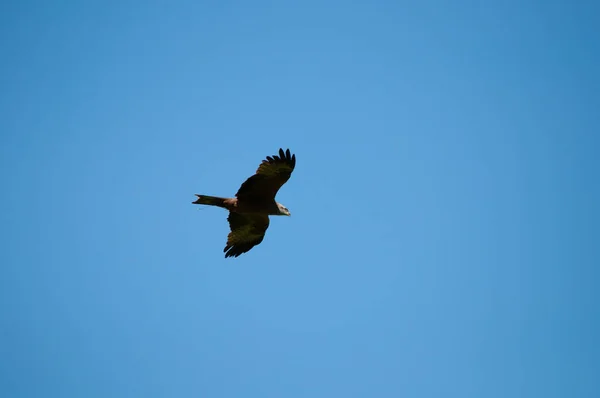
pixel 255 201
pixel 244 206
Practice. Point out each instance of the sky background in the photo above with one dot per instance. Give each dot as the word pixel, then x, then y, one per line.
pixel 445 232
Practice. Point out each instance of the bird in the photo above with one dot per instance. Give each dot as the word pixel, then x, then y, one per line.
pixel 254 202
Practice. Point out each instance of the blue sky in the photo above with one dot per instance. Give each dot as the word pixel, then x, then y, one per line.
pixel 444 237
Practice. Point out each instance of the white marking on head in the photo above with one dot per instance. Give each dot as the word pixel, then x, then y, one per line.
pixel 283 210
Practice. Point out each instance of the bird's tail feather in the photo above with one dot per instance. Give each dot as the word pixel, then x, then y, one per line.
pixel 209 200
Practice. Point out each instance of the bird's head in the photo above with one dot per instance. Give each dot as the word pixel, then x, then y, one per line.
pixel 283 211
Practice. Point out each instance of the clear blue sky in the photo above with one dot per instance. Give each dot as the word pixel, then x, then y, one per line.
pixel 445 232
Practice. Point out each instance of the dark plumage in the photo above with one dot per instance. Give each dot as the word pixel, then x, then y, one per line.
pixel 255 201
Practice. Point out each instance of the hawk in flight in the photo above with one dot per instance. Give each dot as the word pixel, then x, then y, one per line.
pixel 254 202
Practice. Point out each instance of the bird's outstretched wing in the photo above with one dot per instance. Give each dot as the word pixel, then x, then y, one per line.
pixel 247 231
pixel 271 174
